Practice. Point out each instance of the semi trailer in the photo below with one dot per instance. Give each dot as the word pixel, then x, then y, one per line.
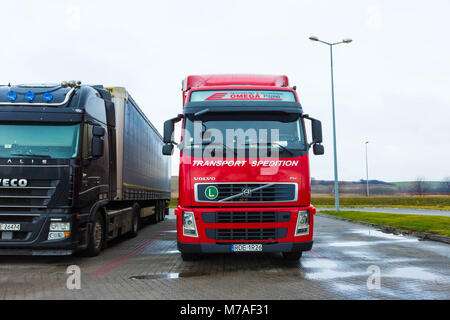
pixel 79 166
pixel 244 180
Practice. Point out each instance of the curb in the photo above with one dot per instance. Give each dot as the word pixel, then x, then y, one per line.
pixel 394 230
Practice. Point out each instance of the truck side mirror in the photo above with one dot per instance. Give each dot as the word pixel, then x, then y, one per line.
pixel 169 128
pixel 97 141
pixel 98 131
pixel 316 127
pixel 316 131
pixel 318 149
pixel 167 149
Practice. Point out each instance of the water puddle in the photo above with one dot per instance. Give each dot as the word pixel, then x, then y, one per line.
pixel 332 274
pixel 162 252
pixel 318 263
pixel 349 244
pixel 413 273
pixel 381 234
pixel 169 275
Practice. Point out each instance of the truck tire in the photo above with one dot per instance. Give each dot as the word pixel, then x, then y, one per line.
pixel 153 219
pixel 292 256
pixel 135 222
pixel 190 256
pixel 96 237
pixel 163 210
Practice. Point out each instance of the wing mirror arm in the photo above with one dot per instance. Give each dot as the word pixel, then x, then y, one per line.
pixel 316 143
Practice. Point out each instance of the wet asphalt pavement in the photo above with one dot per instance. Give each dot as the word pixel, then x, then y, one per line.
pixel 149 266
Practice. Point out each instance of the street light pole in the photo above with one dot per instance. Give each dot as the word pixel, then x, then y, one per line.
pixel 336 180
pixel 367 171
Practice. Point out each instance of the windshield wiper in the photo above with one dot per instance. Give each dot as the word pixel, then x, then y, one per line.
pixel 271 143
pixel 31 155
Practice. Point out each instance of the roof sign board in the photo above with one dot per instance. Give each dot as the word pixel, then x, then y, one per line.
pixel 242 95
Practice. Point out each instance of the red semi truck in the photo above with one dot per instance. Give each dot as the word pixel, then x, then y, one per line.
pixel 244 182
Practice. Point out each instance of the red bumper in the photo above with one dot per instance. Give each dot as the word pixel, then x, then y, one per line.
pixel 214 229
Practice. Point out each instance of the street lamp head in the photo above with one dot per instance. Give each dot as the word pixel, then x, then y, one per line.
pixel 348 40
pixel 313 38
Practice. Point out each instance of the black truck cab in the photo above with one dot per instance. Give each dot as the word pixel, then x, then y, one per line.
pixel 58 171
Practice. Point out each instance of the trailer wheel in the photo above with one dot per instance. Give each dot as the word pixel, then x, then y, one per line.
pixel 190 256
pixel 292 256
pixel 135 223
pixel 96 237
pixel 163 210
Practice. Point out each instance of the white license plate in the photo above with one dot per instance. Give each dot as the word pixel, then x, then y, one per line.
pixel 9 227
pixel 246 247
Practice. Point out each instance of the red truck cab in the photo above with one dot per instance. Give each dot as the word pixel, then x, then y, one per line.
pixel 244 182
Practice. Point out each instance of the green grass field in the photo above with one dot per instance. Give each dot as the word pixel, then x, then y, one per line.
pixel 435 224
pixel 397 202
pixel 394 202
pixel 173 203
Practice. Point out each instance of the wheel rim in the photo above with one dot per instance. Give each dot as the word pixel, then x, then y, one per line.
pixel 98 234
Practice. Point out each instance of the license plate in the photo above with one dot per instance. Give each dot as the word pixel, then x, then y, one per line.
pixel 246 247
pixel 9 227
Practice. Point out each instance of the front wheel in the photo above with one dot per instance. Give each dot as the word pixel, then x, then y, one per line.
pixel 292 256
pixel 96 237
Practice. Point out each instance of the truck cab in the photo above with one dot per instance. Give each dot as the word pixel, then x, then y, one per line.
pixel 244 169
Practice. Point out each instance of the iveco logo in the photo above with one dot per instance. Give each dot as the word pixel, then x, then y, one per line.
pixel 13 182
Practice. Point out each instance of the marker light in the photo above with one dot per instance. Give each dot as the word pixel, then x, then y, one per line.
pixel 29 96
pixel 48 97
pixel 12 96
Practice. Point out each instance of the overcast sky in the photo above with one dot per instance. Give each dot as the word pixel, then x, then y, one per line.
pixel 391 83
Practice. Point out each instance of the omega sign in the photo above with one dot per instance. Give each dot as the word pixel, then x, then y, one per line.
pixel 13 182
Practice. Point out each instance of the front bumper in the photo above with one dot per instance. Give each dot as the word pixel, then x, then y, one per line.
pixel 226 248
pixel 277 234
pixel 36 241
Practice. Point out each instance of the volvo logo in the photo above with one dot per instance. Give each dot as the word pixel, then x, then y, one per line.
pixel 13 182
pixel 246 192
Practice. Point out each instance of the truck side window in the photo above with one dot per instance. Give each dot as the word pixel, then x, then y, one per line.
pixel 87 140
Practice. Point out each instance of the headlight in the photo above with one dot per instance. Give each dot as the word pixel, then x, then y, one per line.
pixel 57 235
pixel 189 226
pixel 302 227
pixel 60 226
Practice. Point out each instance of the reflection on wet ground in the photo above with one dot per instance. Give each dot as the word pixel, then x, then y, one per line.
pixel 170 275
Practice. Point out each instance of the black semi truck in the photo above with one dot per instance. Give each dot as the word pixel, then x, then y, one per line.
pixel 79 165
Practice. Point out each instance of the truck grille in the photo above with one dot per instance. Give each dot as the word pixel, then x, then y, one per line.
pixel 36 195
pixel 245 216
pixel 247 192
pixel 246 234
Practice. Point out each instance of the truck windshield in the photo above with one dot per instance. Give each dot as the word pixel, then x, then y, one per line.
pixel 245 131
pixel 39 141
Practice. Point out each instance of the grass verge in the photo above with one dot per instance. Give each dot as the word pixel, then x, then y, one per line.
pixel 442 203
pixel 173 203
pixel 434 224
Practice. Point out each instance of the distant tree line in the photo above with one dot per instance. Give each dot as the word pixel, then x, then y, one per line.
pixel 419 187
